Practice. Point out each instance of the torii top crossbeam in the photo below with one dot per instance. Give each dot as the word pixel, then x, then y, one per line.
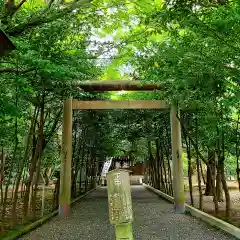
pixel 105 86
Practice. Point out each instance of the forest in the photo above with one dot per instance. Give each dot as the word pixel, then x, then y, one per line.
pixel 189 47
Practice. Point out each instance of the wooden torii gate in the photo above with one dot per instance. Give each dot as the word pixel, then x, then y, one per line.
pixel 101 86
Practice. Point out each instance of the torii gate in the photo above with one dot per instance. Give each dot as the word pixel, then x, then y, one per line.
pixel 102 86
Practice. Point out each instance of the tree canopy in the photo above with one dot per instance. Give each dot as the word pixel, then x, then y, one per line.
pixel 190 47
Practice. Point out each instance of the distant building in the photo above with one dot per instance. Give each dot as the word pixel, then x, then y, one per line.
pixel 121 162
pixel 6 44
pixel 136 170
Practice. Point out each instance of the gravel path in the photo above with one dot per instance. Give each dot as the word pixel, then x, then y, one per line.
pixel 153 219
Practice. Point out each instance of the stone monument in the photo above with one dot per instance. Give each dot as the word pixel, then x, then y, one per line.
pixel 120 203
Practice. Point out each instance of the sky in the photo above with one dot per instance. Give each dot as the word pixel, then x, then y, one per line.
pixel 105 58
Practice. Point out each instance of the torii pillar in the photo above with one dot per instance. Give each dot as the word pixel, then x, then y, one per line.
pixel 177 162
pixel 66 160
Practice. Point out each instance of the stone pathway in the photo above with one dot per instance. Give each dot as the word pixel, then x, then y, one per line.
pixel 153 219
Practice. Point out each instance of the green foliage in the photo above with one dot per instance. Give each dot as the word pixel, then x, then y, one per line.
pixel 192 50
pixel 230 166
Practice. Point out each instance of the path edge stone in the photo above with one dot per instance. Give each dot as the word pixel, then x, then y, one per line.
pixel 26 229
pixel 226 227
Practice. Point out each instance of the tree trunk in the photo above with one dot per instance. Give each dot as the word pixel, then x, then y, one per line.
pixel 224 183
pixel 190 170
pixel 164 168
pixel 35 157
pixel 169 171
pixel 77 166
pixel 226 191
pixel 56 192
pixel 237 153
pixel 81 170
pixel 219 191
pixel 46 176
pixel 73 187
pixel 199 185
pixel 5 199
pixel 86 171
pixel 209 191
pixel 2 167
pixel 212 182
pixel 94 175
pixel 158 165
pixel 167 148
pixel 203 178
pixel 12 161
pixel 35 189
pixel 151 165
pixel 199 171
pixel 74 161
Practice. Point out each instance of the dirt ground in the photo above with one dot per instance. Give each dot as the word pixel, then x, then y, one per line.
pixel 7 224
pixel 208 205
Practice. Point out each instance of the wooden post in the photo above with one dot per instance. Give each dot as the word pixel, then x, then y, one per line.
pixel 177 163
pixel 120 203
pixel 66 160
